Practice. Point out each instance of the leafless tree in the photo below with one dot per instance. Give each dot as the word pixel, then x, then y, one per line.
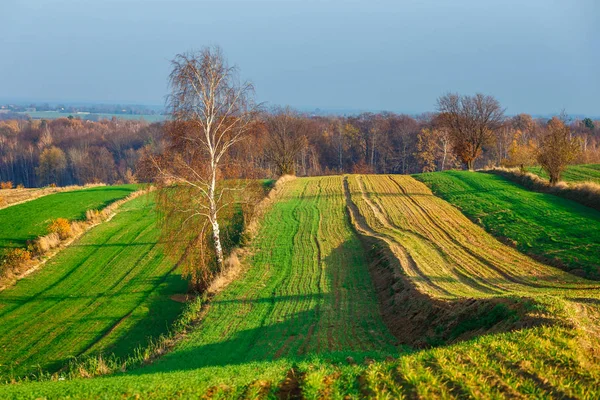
pixel 211 111
pixel 472 122
pixel 287 131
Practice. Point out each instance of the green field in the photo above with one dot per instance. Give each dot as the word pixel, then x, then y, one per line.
pixel 574 173
pixel 304 320
pixel 27 221
pixel 552 228
pixel 108 292
pixel 93 116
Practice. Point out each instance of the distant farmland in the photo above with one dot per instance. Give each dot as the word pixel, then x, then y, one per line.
pixel 93 116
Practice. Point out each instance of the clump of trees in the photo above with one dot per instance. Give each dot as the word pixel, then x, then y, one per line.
pixel 471 131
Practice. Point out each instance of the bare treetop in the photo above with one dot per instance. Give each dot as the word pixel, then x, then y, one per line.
pixel 206 91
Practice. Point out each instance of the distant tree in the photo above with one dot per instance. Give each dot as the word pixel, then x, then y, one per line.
pixel 53 163
pixel 286 132
pixel 433 150
pixel 588 123
pixel 426 149
pixel 211 112
pixel 471 121
pixel 520 153
pixel 557 149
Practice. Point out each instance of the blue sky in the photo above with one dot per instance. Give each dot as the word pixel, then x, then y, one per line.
pixel 535 56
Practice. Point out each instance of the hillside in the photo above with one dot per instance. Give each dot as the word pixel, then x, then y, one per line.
pixel 553 229
pixel 304 320
pixel 574 173
pixel 29 220
pixel 109 291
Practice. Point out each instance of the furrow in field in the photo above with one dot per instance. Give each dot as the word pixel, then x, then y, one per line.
pixel 444 253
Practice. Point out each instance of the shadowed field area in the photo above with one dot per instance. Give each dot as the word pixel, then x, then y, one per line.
pixel 109 291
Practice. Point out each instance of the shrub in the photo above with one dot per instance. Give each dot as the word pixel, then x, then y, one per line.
pixel 62 227
pixel 14 260
pixel 6 185
pixel 20 186
pixel 52 185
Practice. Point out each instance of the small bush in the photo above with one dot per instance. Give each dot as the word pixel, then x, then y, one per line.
pixel 62 227
pixel 6 185
pixel 14 260
pixel 20 186
pixel 52 185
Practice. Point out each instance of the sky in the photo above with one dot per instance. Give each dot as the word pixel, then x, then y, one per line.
pixel 534 56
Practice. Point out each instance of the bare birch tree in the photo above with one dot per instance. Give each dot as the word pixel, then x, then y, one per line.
pixel 211 111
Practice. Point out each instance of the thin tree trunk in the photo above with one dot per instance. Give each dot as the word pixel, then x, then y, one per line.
pixel 444 156
pixel 213 218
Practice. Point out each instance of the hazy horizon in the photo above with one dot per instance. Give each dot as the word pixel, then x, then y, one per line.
pixel 539 58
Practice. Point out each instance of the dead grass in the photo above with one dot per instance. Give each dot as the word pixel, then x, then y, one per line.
pixel 231 271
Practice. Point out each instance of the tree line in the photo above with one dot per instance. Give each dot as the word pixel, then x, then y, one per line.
pixel 284 141
pixel 68 151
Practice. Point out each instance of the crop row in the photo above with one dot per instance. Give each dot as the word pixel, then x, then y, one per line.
pixel 447 255
pixel 555 230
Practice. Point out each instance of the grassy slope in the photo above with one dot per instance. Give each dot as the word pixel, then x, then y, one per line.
pixel 540 224
pixel 574 173
pixel 27 221
pixel 108 291
pixel 306 303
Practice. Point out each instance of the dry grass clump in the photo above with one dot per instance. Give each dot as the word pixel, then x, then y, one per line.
pixel 6 185
pixel 586 193
pixel 232 269
pixel 45 243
